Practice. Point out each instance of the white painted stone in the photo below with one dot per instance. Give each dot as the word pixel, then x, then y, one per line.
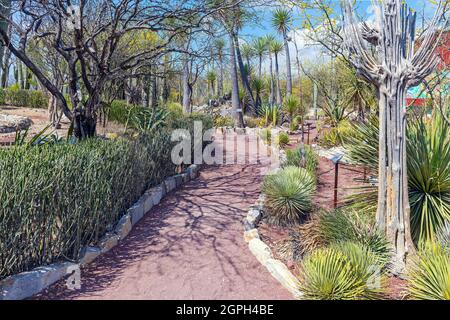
pixel 170 184
pixel 27 284
pixel 178 180
pixel 251 234
pixel 186 177
pixel 136 212
pixel 253 216
pixel 280 272
pixel 260 250
pixel 148 202
pixel 89 254
pixel 108 242
pixel 156 194
pixel 124 226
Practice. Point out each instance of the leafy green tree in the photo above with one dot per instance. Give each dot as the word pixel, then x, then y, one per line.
pixel 282 21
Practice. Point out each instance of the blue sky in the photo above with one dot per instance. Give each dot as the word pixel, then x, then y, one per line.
pixel 263 26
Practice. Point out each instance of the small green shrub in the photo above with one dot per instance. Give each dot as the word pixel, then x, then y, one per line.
pixel 282 139
pixel 288 195
pixel 294 158
pixel 119 111
pixel 224 121
pixel 341 272
pixel 429 277
pixel 255 122
pixel 175 109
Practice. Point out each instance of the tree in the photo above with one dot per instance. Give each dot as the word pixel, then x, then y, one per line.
pixel 220 45
pixel 211 78
pixel 97 48
pixel 275 48
pixel 269 39
pixel 260 48
pixel 282 20
pixel 394 66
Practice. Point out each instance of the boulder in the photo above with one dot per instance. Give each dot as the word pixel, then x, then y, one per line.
pixel 89 254
pixel 124 226
pixel 260 250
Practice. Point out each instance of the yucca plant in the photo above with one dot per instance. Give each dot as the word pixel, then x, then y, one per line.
pixel 270 114
pixel 308 161
pixel 428 156
pixel 291 106
pixel 288 195
pixel 429 277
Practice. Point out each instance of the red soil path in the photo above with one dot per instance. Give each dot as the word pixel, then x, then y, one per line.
pixel 190 246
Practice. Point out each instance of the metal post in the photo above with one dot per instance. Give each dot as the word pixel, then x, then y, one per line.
pixel 336 181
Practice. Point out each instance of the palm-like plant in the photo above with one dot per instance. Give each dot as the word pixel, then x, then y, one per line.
pixel 248 52
pixel 282 20
pixel 275 48
pixel 211 78
pixel 260 48
pixel 258 86
pixel 269 39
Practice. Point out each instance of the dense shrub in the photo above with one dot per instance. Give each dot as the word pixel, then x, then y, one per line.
pixel 288 195
pixel 294 158
pixel 344 271
pixel 429 277
pixel 23 98
pixel 119 111
pixel 57 198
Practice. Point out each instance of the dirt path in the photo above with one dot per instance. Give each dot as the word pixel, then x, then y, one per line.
pixel 190 246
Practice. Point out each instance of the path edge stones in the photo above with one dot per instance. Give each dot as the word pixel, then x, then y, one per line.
pixel 29 283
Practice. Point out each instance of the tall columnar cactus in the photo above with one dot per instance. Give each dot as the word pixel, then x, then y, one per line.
pixel 392 67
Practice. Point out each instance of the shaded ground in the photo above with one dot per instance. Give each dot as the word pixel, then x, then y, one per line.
pixel 188 247
pixel 40 121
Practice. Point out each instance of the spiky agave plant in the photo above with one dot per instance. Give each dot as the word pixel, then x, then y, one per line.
pixel 288 195
pixel 428 156
pixel 429 277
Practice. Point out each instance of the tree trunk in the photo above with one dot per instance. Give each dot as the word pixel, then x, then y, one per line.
pixel 237 110
pixel 279 100
pixel 5 10
pixel 272 83
pixel 244 77
pixel 186 87
pixel 220 81
pixel 288 66
pixel 393 213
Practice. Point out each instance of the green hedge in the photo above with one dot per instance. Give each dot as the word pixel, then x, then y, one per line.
pixel 23 98
pixel 58 198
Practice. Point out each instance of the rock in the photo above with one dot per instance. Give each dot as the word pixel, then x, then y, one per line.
pixel 186 177
pixel 136 212
pixel 247 225
pixel 89 254
pixel 254 216
pixel 193 171
pixel 280 272
pixel 179 180
pixel 124 226
pixel 251 234
pixel 240 131
pixel 27 284
pixel 156 194
pixel 260 250
pixel 108 242
pixel 12 123
pixel 148 202
pixel 170 184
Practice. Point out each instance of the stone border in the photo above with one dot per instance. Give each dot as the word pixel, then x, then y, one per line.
pixel 27 284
